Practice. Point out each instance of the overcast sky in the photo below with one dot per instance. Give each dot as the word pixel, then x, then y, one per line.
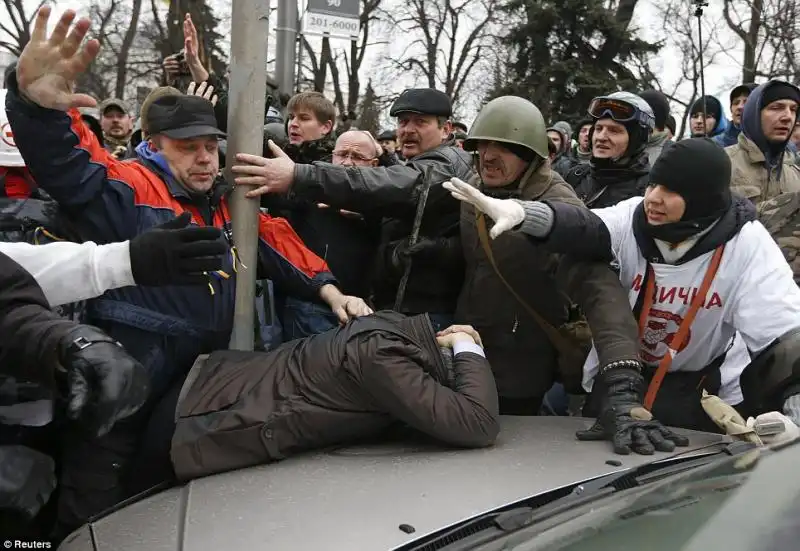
pixel 720 77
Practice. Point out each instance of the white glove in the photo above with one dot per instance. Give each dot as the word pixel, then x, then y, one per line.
pixel 790 432
pixel 506 213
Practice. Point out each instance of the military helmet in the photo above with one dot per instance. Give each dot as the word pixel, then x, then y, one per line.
pixel 511 120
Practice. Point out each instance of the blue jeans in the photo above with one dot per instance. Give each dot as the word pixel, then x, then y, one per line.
pixel 303 319
pixel 556 401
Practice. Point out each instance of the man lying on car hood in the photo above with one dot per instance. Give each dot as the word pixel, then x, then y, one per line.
pixel 238 409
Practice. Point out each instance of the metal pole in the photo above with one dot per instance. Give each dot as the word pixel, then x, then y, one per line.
pixel 286 32
pixel 700 4
pixel 248 87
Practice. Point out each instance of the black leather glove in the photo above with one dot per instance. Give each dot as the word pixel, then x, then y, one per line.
pixel 175 253
pixel 624 420
pixel 27 478
pixel 103 382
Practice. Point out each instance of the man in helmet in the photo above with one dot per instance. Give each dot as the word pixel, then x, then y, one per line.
pixel 619 164
pixel 706 281
pixel 508 278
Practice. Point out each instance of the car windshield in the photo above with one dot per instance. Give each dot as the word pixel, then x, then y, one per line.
pixel 691 510
pixel 667 506
pixel 664 516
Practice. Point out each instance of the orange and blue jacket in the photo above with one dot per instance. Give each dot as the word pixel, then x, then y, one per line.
pixel 108 200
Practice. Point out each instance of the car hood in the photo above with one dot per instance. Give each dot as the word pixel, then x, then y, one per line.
pixel 357 497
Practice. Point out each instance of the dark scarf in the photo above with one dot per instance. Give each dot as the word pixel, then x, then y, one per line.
pixel 607 172
pixel 739 212
pixel 312 151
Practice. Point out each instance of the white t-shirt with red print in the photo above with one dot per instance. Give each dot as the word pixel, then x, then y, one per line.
pixel 752 301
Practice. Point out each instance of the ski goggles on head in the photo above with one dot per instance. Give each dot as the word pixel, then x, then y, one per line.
pixel 619 111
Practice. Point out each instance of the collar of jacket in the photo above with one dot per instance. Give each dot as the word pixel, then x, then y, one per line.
pixel 608 173
pixel 312 151
pixel 730 223
pixel 420 330
pixel 117 142
pixel 754 153
pixel 157 164
pixel 657 139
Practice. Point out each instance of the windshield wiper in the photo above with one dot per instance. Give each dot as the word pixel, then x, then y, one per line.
pixel 510 518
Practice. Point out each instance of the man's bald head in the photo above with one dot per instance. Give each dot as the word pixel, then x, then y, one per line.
pixel 356 148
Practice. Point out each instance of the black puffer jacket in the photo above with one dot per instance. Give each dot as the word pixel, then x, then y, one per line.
pixel 601 184
pixel 239 409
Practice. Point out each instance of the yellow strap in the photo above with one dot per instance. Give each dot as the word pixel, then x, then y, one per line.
pixel 42 230
pixel 235 259
pixel 552 333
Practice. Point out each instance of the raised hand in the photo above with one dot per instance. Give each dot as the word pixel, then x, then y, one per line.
pixel 190 50
pixel 203 90
pixel 48 67
pixel 506 213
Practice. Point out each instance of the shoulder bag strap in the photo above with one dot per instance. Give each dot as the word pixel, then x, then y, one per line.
pixel 552 333
pixel 683 330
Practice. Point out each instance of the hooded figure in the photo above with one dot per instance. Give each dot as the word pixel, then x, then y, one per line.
pixel 738 98
pixel 713 110
pixel 582 153
pixel 688 228
pixel 562 162
pixel 619 164
pixel 761 168
pixel 660 105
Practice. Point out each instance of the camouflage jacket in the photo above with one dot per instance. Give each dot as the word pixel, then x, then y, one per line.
pixel 781 216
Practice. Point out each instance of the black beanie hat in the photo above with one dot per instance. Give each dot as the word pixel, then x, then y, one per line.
pixel 671 124
pixel 743 90
pixel 778 91
pixel 713 107
pixel 659 104
pixel 700 171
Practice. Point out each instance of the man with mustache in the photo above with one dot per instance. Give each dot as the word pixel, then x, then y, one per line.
pixel 690 245
pixel 395 192
pixel 510 275
pixel 762 169
pixel 117 125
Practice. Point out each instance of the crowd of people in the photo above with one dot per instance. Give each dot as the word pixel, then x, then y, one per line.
pixel 433 275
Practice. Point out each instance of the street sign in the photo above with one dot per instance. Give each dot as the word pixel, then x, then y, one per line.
pixel 334 18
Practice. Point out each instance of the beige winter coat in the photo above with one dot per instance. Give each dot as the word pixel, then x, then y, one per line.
pixel 751 177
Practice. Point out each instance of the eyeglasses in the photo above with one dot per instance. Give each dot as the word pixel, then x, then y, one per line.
pixel 353 155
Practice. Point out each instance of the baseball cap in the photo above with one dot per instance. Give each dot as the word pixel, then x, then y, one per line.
pixel 182 117
pixel 113 102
